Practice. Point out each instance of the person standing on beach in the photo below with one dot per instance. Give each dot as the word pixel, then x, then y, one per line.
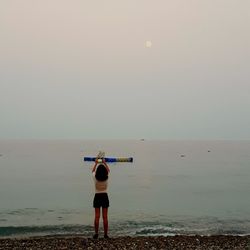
pixel 100 173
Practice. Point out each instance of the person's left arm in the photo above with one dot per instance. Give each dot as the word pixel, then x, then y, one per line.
pixel 106 165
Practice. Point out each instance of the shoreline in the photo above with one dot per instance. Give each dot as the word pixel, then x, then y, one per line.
pixel 127 242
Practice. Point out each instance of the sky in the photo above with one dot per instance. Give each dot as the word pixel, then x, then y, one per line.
pixel 81 69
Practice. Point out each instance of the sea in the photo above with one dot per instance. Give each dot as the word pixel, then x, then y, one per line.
pixel 171 188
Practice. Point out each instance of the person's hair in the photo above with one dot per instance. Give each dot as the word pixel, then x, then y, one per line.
pixel 101 173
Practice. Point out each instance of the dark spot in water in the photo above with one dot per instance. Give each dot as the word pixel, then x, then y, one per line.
pixel 183 155
pixel 50 210
pixel 14 212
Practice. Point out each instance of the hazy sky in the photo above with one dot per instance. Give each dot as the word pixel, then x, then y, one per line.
pixel 80 69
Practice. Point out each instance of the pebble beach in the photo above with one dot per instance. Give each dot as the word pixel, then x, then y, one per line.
pixel 169 242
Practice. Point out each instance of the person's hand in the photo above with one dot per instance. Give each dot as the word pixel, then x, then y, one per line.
pixel 97 160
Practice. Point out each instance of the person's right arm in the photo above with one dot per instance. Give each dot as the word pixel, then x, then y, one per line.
pixel 94 167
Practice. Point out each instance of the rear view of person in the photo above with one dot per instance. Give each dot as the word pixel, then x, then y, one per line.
pixel 100 174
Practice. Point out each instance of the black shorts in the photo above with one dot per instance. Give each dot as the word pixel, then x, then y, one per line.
pixel 101 200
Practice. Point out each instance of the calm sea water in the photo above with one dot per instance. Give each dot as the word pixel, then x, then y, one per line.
pixel 173 187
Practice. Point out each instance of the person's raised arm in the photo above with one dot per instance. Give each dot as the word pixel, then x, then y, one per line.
pixel 94 167
pixel 106 165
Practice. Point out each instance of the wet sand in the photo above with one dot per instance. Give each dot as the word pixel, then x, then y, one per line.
pixel 169 242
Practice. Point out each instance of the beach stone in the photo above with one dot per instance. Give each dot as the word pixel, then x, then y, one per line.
pixel 171 242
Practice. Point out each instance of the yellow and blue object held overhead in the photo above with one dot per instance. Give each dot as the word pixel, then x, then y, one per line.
pixel 110 159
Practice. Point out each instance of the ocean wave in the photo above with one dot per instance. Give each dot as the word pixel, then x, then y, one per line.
pixel 137 228
pixel 44 230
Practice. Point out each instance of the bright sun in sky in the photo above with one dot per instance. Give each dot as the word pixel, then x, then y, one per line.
pixel 148 44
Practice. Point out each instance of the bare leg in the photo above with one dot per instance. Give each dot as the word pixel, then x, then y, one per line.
pixel 97 217
pixel 105 220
